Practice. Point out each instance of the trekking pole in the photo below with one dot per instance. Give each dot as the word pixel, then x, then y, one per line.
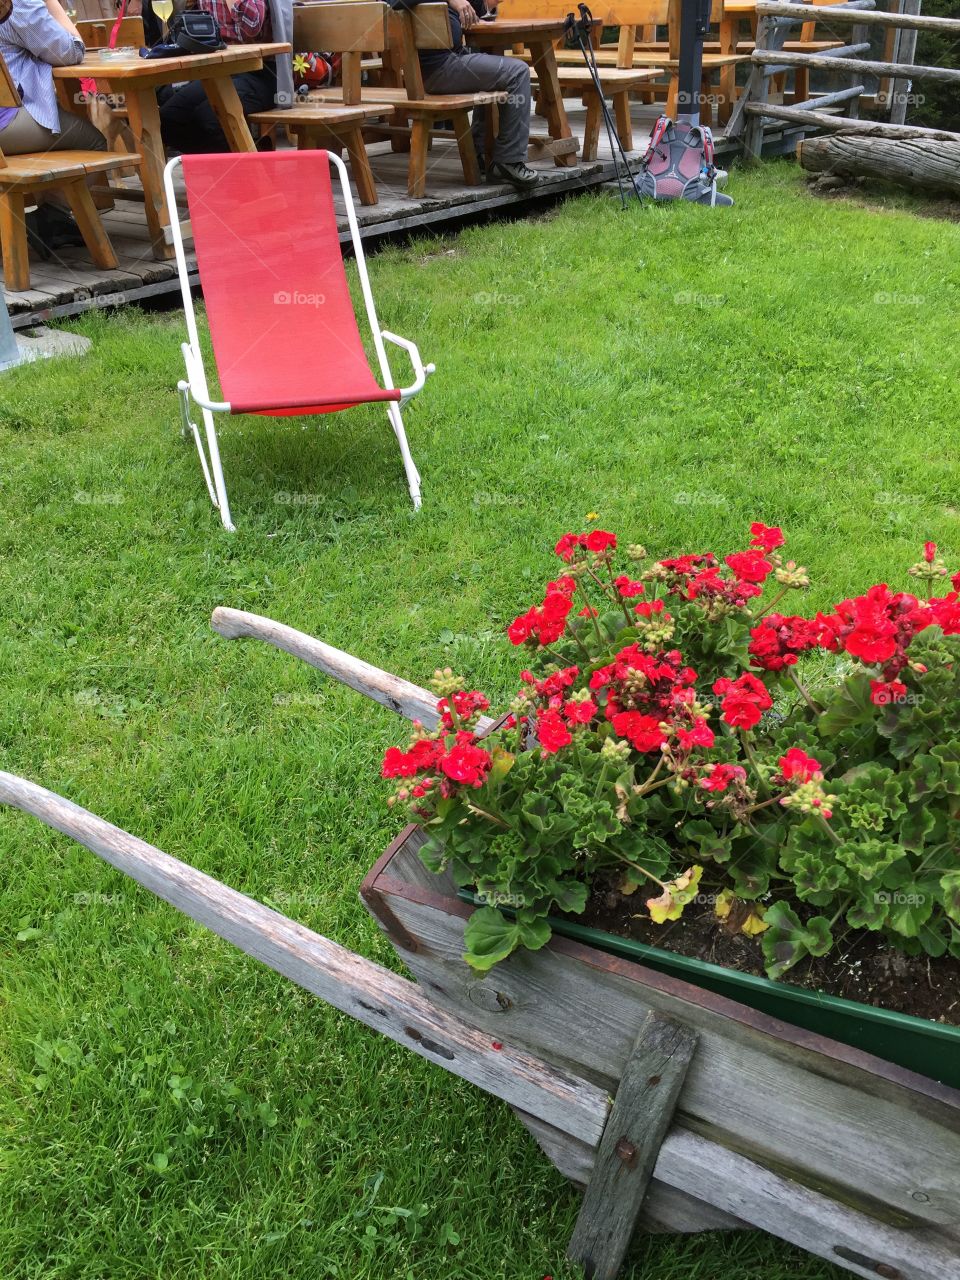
pixel 578 36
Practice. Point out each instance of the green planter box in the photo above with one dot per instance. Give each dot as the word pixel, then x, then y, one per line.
pixel 929 1048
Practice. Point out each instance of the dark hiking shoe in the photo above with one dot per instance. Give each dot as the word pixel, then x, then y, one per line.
pixel 519 175
pixel 55 228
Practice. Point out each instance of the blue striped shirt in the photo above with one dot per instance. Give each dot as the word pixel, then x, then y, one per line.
pixel 31 42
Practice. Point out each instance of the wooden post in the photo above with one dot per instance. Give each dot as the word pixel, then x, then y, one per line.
pixel 904 52
pixel 642 1113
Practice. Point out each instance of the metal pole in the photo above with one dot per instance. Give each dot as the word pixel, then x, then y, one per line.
pixel 694 27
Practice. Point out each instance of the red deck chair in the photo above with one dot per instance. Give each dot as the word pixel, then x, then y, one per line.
pixel 282 323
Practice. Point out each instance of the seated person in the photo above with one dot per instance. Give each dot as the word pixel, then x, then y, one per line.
pixel 188 123
pixel 36 36
pixel 460 70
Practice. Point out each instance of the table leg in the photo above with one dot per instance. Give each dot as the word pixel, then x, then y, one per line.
pixel 226 103
pixel 143 115
pixel 545 68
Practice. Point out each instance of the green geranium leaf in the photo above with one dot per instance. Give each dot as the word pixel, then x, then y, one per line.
pixel 869 911
pixel 490 937
pixel 535 935
pixel 849 706
pixel 571 895
pixel 910 908
pixel 950 884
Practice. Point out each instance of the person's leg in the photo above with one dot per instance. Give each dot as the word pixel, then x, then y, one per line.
pixel 480 72
pixel 188 122
pixel 23 135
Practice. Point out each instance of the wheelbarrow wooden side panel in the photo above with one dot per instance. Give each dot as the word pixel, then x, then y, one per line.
pixel 847 1155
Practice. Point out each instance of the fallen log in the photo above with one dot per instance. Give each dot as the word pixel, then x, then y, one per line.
pixel 925 164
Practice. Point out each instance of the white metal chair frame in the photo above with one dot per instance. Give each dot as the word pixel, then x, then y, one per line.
pixel 194 387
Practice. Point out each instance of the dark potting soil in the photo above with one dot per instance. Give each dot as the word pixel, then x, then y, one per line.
pixel 862 966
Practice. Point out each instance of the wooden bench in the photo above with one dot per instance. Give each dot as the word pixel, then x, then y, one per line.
pixel 350 29
pixel 425 27
pixel 617 84
pixel 67 171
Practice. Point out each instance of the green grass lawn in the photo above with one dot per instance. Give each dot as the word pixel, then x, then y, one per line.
pixel 170 1109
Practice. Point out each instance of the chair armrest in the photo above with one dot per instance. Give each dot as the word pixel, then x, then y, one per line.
pixel 419 368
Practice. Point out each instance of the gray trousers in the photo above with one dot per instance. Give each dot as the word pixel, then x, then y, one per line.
pixel 480 72
pixel 23 135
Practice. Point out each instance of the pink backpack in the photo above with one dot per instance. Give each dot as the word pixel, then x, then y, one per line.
pixel 678 165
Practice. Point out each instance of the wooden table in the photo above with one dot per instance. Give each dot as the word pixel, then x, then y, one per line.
pixel 538 35
pixel 136 81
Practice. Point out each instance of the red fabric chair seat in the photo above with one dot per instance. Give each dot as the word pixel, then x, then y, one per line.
pixel 281 316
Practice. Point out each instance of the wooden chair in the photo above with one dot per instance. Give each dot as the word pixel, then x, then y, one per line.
pixel 617 82
pixel 631 16
pixel 350 29
pixel 95 32
pixel 67 171
pixel 425 27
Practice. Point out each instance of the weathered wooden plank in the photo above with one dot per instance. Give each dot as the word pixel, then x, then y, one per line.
pixel 642 1113
pixel 373 995
pixel 836 14
pixel 878 1137
pixel 802 1216
pixel 852 66
pixel 390 691
pixel 842 124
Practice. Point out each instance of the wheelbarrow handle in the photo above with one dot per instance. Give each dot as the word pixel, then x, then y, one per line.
pixel 390 691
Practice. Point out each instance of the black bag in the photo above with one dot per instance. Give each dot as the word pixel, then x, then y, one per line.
pixel 194 31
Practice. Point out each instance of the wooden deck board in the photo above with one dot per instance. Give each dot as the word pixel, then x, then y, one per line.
pixel 70 284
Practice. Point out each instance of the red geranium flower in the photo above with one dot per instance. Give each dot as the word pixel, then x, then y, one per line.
pixel 641 731
pixel 627 586
pixel 701 735
pixel 766 537
pixel 883 692
pixel 797 766
pixel 599 540
pixel 749 566
pixel 722 776
pixel 929 552
pixel 579 712
pixel 552 733
pixel 466 763
pixel 744 700
pixel 566 548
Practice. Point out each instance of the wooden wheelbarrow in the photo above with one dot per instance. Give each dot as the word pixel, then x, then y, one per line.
pixel 673 1108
